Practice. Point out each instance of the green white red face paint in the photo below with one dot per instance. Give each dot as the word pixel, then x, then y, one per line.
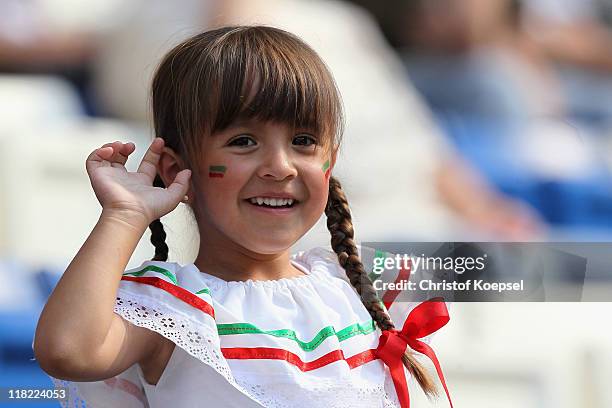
pixel 326 169
pixel 216 171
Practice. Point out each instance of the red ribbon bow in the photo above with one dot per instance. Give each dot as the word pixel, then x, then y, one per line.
pixel 423 320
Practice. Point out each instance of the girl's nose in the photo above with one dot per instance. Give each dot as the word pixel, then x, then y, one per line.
pixel 277 165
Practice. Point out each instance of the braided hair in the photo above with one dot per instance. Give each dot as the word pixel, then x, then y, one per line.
pixel 158 235
pixel 340 226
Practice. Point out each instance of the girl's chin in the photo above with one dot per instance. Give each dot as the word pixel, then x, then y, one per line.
pixel 269 247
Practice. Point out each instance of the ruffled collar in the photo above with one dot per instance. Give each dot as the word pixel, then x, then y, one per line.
pixel 316 264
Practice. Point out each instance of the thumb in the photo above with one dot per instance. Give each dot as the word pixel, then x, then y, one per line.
pixel 180 185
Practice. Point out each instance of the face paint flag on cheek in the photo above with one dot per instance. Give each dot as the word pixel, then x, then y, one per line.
pixel 216 171
pixel 326 169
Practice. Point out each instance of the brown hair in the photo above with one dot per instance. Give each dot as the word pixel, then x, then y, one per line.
pixel 255 72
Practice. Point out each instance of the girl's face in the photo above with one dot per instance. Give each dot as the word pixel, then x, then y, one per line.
pixel 262 185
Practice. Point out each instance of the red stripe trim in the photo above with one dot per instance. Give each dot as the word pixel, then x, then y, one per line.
pixel 266 353
pixel 215 174
pixel 390 295
pixel 175 291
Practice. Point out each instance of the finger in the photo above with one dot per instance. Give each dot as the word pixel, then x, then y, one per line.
pixel 124 149
pixel 95 154
pixel 103 152
pixel 109 144
pixel 109 152
pixel 120 153
pixel 128 148
pixel 148 165
pixel 180 185
pixel 98 157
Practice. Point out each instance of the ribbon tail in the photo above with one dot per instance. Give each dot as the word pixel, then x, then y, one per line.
pixel 423 348
pixel 401 385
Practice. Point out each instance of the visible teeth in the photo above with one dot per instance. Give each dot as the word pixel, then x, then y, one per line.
pixel 272 202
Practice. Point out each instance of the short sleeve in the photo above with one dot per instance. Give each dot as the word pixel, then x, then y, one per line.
pixel 156 284
pixel 156 296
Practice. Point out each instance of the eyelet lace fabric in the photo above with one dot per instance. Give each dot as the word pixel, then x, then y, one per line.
pixel 327 394
pixel 196 339
pixel 303 306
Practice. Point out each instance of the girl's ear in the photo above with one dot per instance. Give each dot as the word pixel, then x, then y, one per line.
pixel 169 165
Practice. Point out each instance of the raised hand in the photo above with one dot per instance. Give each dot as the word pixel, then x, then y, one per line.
pixel 131 195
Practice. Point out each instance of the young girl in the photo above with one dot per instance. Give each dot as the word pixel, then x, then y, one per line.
pixel 248 122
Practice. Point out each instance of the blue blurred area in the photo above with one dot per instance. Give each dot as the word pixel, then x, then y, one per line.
pixel 18 369
pixel 491 146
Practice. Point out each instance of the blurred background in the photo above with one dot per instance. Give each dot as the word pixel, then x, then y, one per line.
pixel 486 120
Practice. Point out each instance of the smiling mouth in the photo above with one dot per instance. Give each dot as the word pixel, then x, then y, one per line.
pixel 268 202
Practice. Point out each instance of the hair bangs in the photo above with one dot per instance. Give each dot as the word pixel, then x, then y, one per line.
pixel 221 76
pixel 275 77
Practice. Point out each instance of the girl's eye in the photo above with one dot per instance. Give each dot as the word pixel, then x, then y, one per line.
pixel 304 140
pixel 242 141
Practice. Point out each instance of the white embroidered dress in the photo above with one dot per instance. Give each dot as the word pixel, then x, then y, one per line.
pixel 296 342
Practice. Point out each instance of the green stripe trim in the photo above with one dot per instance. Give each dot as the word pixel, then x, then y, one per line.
pixel 247 328
pixel 205 290
pixel 220 169
pixel 344 334
pixel 154 268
